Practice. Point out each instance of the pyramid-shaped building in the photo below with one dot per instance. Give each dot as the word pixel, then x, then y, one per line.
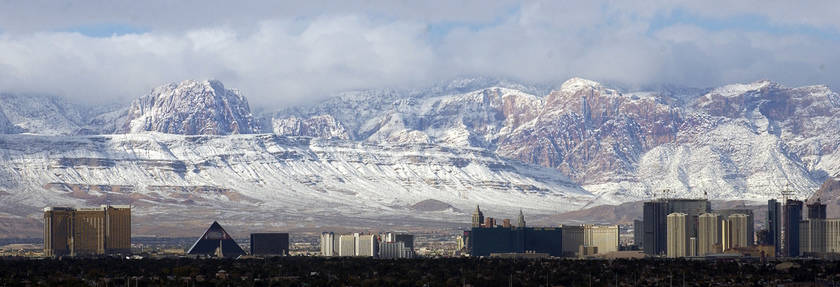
pixel 216 242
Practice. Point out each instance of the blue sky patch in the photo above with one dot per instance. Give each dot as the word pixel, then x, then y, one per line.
pixel 440 29
pixel 105 30
pixel 746 22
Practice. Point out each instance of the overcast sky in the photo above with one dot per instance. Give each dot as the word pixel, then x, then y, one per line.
pixel 280 53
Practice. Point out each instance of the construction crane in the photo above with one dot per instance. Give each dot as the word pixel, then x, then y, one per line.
pixel 786 193
pixel 666 193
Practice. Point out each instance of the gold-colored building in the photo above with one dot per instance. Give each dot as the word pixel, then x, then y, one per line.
pixel 604 237
pixel 709 234
pixel 735 232
pixel 58 231
pixel 118 231
pixel 87 231
pixel 677 236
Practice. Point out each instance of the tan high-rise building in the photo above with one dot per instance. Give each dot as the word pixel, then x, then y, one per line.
pixel 677 234
pixel 812 236
pixel 118 229
pixel 87 231
pixel 708 234
pixel 819 237
pixel 575 237
pixel 367 245
pixel 692 246
pixel 328 246
pixel 477 218
pixel 604 237
pixel 346 245
pixel 832 236
pixel 735 229
pixel 58 231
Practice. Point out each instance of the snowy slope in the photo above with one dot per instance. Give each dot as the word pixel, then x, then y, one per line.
pixel 736 142
pixel 375 153
pixel 243 174
pixel 40 114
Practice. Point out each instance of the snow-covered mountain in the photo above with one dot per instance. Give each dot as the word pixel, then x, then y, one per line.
pixel 50 115
pixel 742 141
pixel 260 176
pixel 190 108
pixel 391 153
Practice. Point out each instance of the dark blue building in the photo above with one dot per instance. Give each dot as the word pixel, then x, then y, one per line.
pixel 793 215
pixel 269 243
pixel 774 225
pixel 520 239
pixel 484 241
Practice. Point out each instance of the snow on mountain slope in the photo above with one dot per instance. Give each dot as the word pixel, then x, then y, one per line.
pixel 360 112
pixel 730 163
pixel 190 108
pixel 324 126
pixel 6 126
pixel 39 114
pixel 261 173
pixel 379 151
pixel 740 141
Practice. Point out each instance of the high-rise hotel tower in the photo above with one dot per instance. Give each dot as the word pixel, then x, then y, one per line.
pixel 87 231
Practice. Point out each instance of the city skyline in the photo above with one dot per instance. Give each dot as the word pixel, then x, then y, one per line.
pixel 434 143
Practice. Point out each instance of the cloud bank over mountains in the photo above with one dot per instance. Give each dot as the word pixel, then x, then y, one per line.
pixel 281 53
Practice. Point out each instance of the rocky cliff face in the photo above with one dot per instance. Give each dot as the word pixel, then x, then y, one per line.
pixel 324 126
pixel 190 108
pixel 589 131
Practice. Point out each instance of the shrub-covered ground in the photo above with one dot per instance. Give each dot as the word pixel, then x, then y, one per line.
pixel 316 271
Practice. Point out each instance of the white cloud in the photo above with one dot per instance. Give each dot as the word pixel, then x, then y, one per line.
pixel 271 65
pixel 279 53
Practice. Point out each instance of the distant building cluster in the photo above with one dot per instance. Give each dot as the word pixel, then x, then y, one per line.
pixel 87 231
pixel 689 227
pixel 670 227
pixel 106 230
pixel 819 236
pixel 486 238
pixel 385 246
pixel 216 242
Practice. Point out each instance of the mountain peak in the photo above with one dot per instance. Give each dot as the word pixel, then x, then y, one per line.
pixel 575 84
pixel 190 107
pixel 738 89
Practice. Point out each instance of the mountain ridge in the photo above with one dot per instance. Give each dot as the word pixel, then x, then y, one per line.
pixel 500 145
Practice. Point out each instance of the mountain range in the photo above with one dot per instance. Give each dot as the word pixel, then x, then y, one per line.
pixel 412 156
